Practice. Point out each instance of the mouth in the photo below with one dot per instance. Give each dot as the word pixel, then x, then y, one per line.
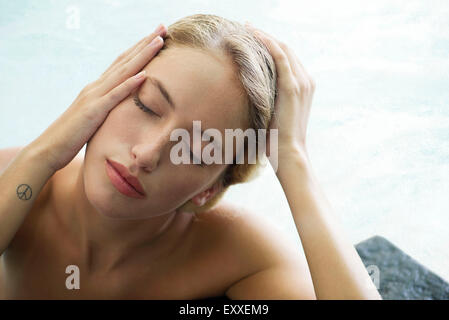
pixel 123 181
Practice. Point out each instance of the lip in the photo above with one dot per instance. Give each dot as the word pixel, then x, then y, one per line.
pixel 123 180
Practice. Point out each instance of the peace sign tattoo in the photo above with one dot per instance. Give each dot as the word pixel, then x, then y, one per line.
pixel 24 192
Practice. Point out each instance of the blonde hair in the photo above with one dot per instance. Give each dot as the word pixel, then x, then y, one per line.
pixel 255 70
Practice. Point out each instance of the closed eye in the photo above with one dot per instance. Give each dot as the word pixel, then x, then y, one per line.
pixel 143 107
pixel 151 112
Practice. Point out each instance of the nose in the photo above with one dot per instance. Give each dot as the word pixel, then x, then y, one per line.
pixel 146 155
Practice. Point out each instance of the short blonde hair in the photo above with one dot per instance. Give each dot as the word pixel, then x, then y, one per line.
pixel 256 72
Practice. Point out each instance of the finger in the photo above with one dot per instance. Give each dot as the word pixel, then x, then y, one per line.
pixel 304 80
pixel 142 45
pixel 296 65
pixel 290 55
pixel 116 95
pixel 123 55
pixel 131 52
pixel 136 49
pixel 308 77
pixel 281 60
pixel 136 64
pixel 297 68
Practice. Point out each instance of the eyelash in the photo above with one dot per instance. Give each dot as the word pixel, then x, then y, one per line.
pixel 141 106
pixel 144 108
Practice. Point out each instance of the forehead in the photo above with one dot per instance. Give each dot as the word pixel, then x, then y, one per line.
pixel 202 85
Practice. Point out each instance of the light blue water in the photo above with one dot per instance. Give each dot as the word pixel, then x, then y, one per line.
pixel 379 127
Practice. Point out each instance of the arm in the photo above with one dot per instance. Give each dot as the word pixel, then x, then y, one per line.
pixel 331 267
pixel 26 175
pixel 28 172
pixel 335 266
pixel 336 269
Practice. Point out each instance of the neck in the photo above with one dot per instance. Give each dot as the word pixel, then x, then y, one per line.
pixel 106 242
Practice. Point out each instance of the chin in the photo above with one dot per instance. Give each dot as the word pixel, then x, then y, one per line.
pixel 103 198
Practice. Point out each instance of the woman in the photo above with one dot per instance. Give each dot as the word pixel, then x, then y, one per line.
pixel 72 228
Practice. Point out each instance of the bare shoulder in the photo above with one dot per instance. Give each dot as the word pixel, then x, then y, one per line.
pixel 270 265
pixel 256 243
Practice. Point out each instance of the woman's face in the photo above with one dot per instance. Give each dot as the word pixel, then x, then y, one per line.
pixel 202 87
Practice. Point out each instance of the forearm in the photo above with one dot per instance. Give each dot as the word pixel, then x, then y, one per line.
pixel 336 269
pixel 20 185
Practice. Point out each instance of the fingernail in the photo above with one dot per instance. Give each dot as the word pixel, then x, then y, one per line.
pixel 155 41
pixel 140 75
pixel 159 28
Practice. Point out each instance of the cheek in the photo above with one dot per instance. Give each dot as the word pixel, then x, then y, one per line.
pixel 124 124
pixel 117 120
pixel 125 119
pixel 181 184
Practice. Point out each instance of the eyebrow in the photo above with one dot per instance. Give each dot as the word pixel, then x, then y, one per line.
pixel 162 89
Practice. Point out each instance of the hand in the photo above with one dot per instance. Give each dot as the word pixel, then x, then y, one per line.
pixel 65 137
pixel 294 98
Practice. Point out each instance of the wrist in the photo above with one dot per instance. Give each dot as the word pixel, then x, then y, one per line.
pixel 291 156
pixel 294 152
pixel 37 154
